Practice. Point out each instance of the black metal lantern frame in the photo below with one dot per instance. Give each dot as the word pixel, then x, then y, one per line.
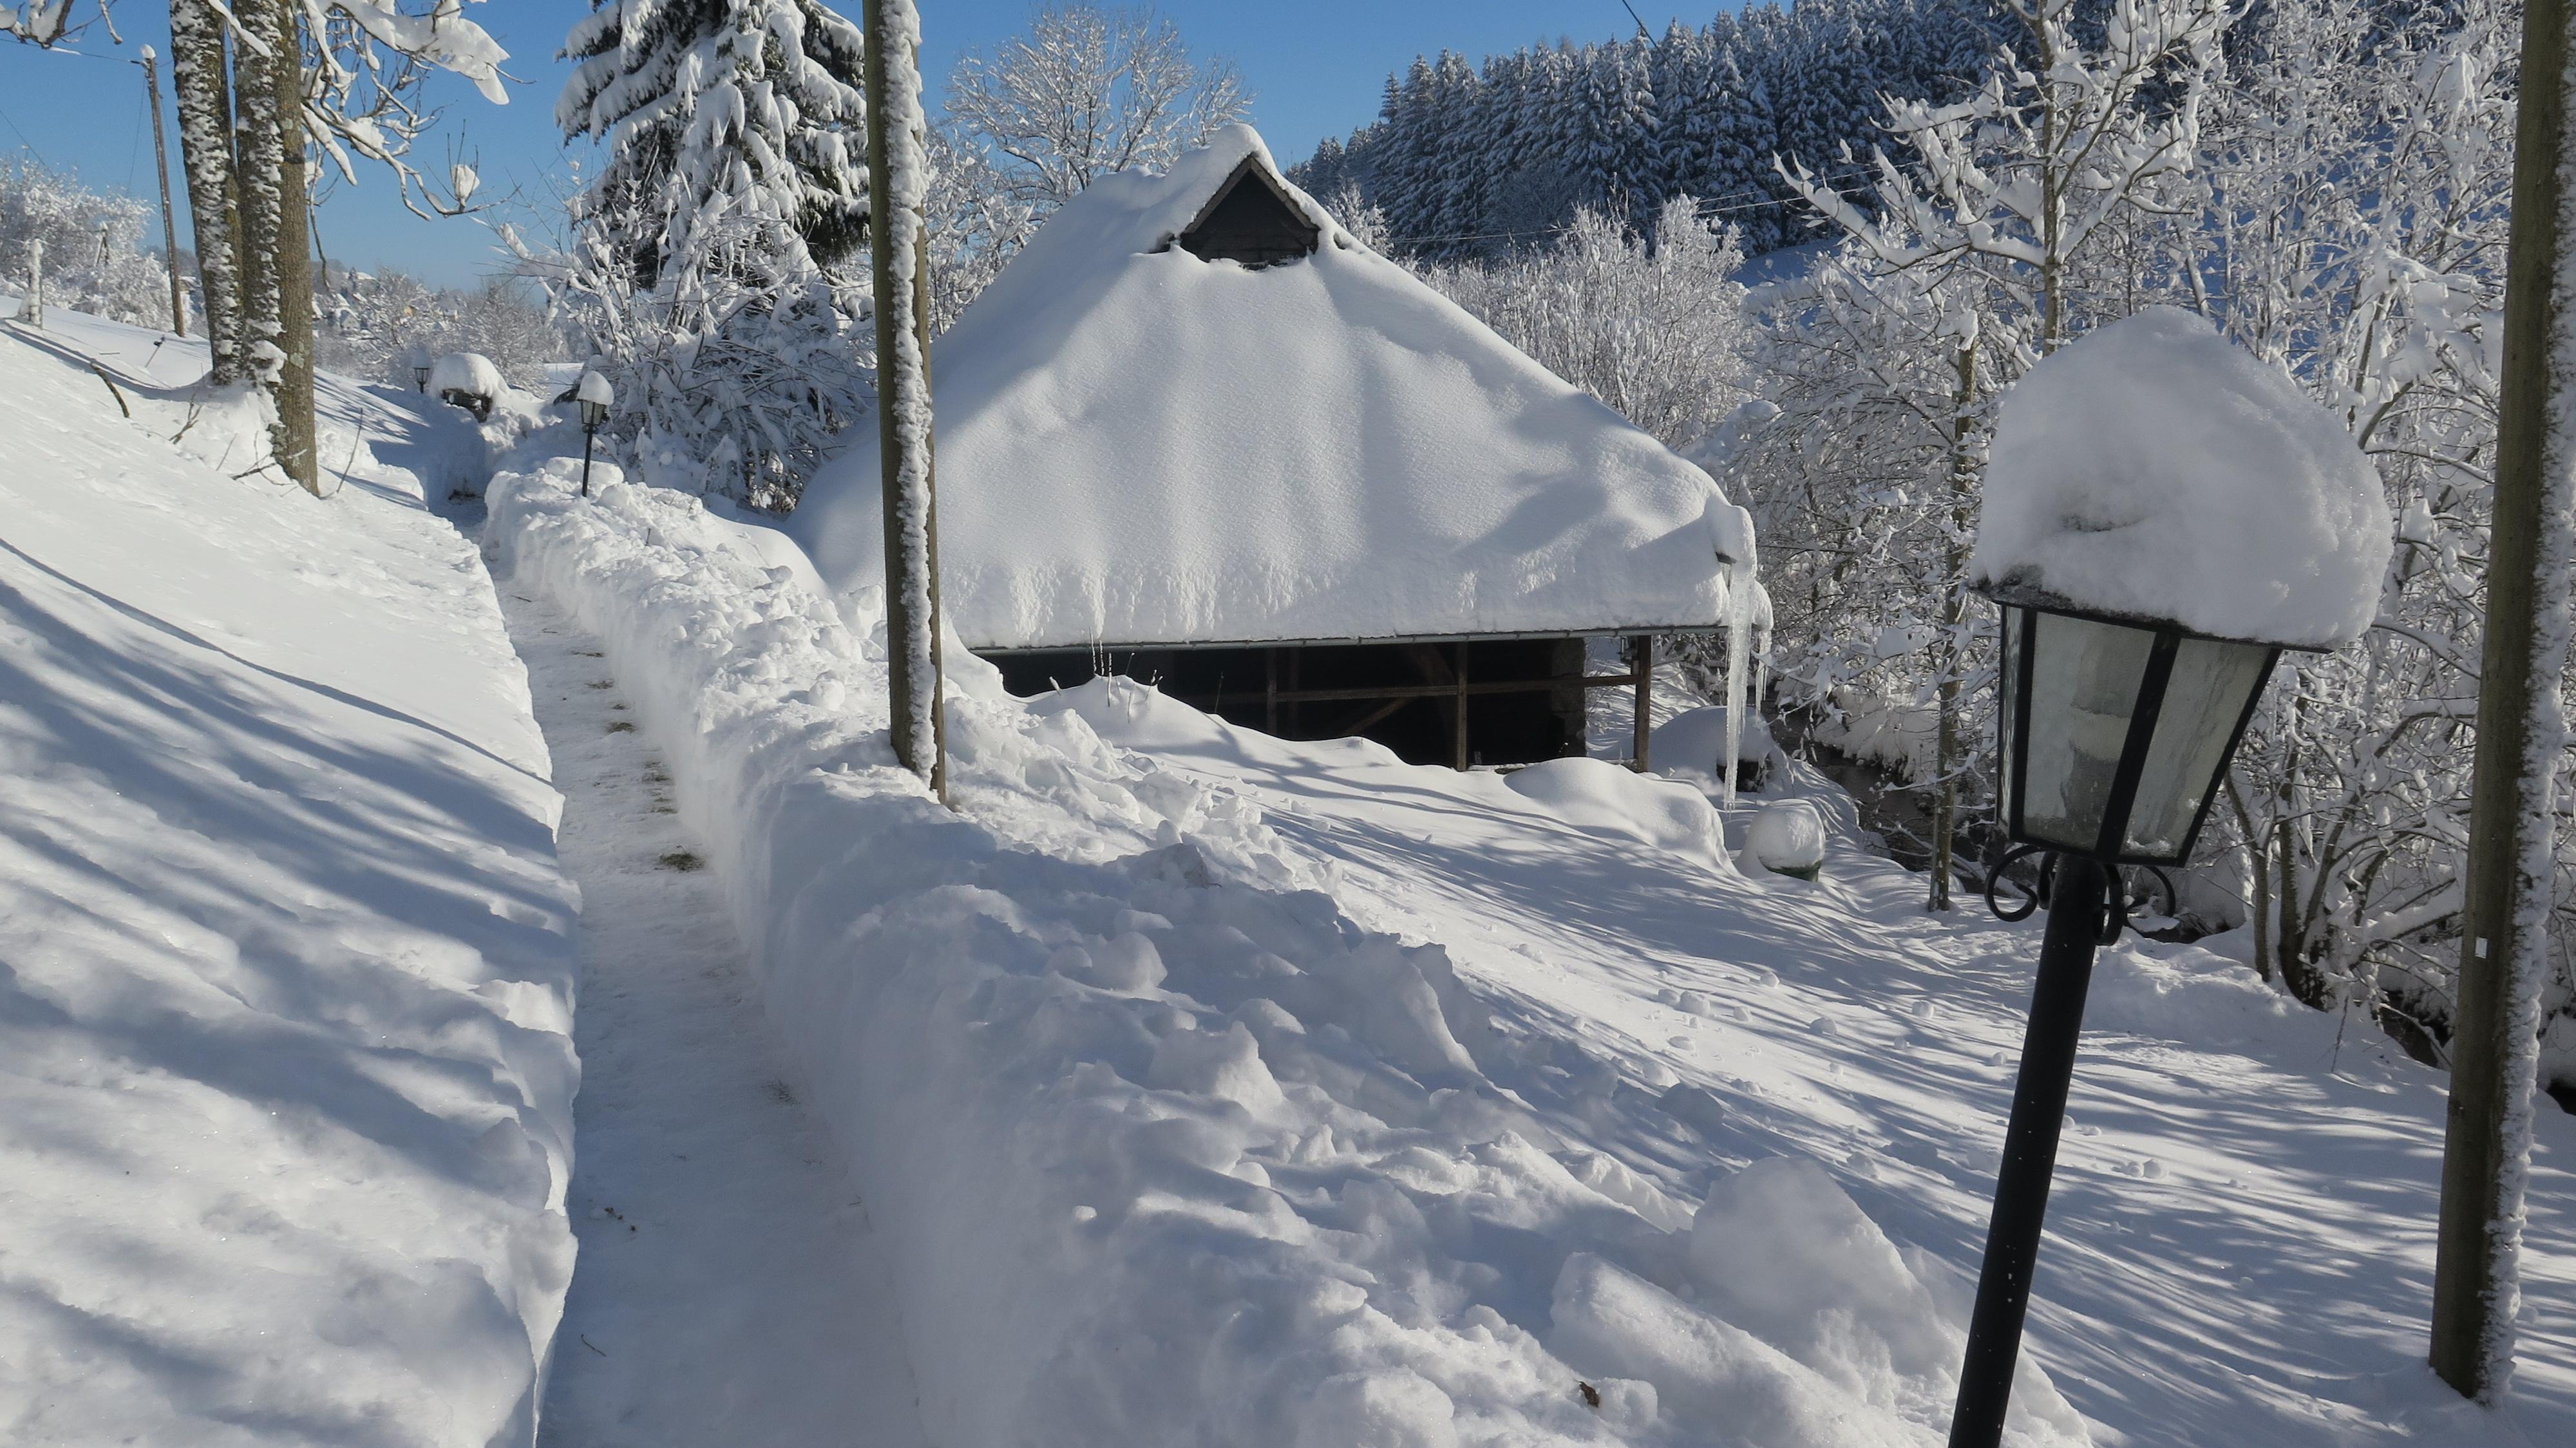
pixel 2171 729
pixel 2124 728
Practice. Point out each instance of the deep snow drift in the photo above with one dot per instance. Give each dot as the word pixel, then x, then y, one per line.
pixel 285 957
pixel 2154 468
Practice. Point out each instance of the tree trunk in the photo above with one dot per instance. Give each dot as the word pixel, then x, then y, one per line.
pixel 295 443
pixel 259 166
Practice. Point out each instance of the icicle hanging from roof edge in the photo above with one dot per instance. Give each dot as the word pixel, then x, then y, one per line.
pixel 1740 586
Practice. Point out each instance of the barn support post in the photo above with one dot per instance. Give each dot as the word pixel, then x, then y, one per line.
pixel 1641 661
pixel 1270 691
pixel 1461 671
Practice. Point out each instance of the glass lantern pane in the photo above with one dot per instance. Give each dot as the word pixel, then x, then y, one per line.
pixel 2083 690
pixel 2203 700
pixel 2008 684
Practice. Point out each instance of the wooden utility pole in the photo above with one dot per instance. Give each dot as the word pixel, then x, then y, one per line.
pixel 898 252
pixel 161 169
pixel 2521 732
pixel 34 311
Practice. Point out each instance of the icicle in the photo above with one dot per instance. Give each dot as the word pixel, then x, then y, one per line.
pixel 1739 628
pixel 1742 585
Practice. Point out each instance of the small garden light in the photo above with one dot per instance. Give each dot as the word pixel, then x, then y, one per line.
pixel 420 376
pixel 595 397
pixel 2163 516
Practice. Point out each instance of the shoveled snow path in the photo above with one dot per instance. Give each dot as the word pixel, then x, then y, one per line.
pixel 727 1289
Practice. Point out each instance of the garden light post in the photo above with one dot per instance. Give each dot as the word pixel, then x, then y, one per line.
pixel 595 397
pixel 420 377
pixel 2162 515
pixel 2116 733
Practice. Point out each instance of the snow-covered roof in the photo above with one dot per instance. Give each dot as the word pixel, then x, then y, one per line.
pixel 1138 446
pixel 2153 469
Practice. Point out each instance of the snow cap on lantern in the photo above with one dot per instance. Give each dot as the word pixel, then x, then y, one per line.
pixel 2153 470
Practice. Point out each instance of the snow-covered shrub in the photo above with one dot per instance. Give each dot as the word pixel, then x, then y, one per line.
pixel 372 325
pixel 94 256
pixel 736 372
pixel 1651 323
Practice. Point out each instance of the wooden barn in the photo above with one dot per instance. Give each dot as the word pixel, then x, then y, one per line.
pixel 1197 434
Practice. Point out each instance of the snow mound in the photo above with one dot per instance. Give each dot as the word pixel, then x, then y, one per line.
pixel 1810 1329
pixel 469 372
pixel 1138 446
pixel 1788 836
pixel 1598 795
pixel 2151 468
pixel 1695 739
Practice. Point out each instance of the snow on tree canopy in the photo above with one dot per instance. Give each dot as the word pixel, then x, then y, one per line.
pixel 1136 445
pixel 2153 469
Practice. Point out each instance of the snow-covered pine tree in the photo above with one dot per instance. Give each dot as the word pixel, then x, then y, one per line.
pixel 717 110
pixel 715 264
pixel 1746 136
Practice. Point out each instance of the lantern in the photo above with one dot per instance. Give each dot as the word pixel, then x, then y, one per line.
pixel 420 377
pixel 2115 734
pixel 2117 731
pixel 594 397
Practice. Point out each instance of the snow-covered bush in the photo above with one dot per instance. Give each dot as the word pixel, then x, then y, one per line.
pixel 1651 323
pixel 371 325
pixel 736 372
pixel 94 257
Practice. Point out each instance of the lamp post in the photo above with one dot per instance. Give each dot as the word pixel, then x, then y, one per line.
pixel 595 397
pixel 420 377
pixel 2115 734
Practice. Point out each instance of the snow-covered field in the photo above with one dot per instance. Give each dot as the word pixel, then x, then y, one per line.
pixel 1190 1086
pixel 286 969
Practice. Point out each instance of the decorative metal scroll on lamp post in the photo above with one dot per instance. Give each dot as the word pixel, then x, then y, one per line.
pixel 2115 734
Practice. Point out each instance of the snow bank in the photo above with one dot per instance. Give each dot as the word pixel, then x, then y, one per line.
pixel 288 957
pixel 1596 794
pixel 1809 1326
pixel 1695 740
pixel 2153 468
pixel 1168 1148
pixel 1139 446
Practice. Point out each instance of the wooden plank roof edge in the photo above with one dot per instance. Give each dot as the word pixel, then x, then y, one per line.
pixel 1094 646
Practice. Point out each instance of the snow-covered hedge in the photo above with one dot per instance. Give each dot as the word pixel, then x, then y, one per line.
pixel 1165 1148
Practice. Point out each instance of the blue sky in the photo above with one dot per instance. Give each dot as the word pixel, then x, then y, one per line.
pixel 1316 68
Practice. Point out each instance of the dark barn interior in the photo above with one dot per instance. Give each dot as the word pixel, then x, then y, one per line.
pixel 1523 697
